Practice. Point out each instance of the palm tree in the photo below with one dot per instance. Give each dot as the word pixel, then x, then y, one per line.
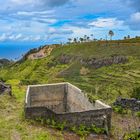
pixel 111 34
pixel 88 38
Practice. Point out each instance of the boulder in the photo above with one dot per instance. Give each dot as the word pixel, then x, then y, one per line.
pixel 5 88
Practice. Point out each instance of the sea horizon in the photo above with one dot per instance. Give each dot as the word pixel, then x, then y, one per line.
pixel 14 51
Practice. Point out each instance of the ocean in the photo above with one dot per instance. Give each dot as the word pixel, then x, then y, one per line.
pixel 15 51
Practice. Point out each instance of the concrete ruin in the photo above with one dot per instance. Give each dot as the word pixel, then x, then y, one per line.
pixel 65 102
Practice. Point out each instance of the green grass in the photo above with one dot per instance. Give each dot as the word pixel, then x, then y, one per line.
pixel 106 83
pixel 12 122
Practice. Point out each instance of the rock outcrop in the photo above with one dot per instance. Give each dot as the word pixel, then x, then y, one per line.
pixel 5 88
pixel 98 63
pixel 93 62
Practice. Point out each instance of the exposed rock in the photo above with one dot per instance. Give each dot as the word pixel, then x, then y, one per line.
pixel 132 103
pixel 65 59
pixel 5 88
pixel 93 62
pixel 98 63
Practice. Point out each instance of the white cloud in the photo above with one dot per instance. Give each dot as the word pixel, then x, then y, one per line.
pixel 19 37
pixel 135 17
pixel 134 21
pixel 106 23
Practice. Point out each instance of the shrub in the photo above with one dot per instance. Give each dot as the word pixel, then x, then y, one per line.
pixel 28 82
pixel 120 110
pixel 132 136
pixel 138 114
pixel 97 130
pixel 81 130
pixel 92 98
pixel 136 93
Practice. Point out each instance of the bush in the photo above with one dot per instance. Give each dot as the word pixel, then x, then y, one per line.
pixel 132 136
pixel 136 93
pixel 138 114
pixel 120 110
pixel 28 82
pixel 92 98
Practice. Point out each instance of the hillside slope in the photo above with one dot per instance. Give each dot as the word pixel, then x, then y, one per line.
pixel 117 74
pixel 65 63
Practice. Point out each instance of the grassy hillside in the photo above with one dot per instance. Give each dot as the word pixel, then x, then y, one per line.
pixel 105 83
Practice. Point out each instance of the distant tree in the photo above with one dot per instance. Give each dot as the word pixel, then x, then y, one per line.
pixel 111 34
pixel 128 37
pixel 75 40
pixel 125 37
pixel 88 38
pixel 85 38
pixel 81 39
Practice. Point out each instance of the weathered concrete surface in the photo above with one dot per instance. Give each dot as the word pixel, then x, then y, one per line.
pixel 65 102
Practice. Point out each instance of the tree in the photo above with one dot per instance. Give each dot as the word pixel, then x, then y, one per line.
pixel 81 39
pixel 125 37
pixel 128 37
pixel 85 38
pixel 111 34
pixel 75 40
pixel 88 38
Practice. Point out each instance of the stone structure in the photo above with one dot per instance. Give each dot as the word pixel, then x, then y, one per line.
pixel 5 88
pixel 65 102
pixel 132 104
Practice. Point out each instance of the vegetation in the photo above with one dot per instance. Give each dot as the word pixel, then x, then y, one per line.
pixel 120 110
pixel 105 83
pixel 136 93
pixel 132 136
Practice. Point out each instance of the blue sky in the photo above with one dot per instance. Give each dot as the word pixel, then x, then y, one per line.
pixel 35 22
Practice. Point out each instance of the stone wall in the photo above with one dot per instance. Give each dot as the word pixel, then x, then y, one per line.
pixel 132 103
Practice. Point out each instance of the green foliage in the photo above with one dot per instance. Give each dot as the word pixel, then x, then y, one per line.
pixel 44 136
pixel 52 123
pixel 120 110
pixel 83 130
pixel 28 82
pixel 132 136
pixel 136 93
pixel 97 130
pixel 138 114
pixel 92 98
